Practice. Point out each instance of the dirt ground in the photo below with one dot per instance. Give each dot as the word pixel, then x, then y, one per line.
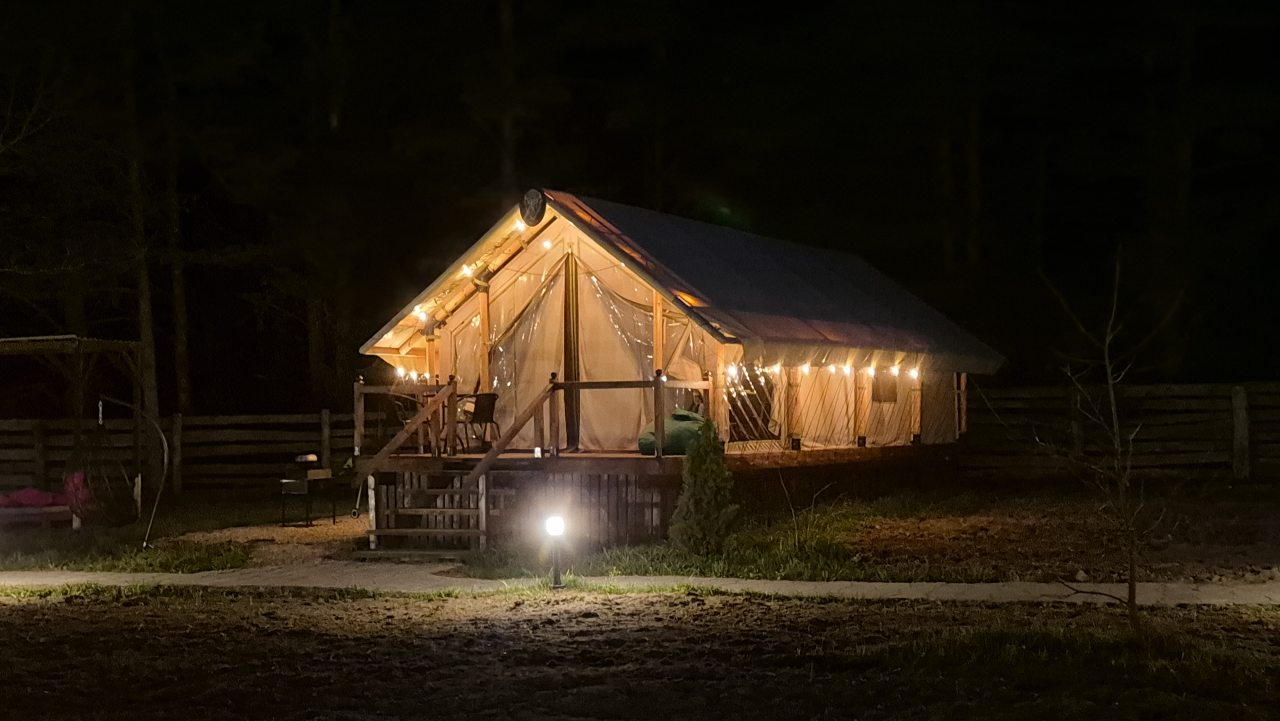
pixel 217 655
pixel 1046 538
pixel 274 545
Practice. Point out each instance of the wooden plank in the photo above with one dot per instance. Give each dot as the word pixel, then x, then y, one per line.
pixel 358 419
pixel 371 490
pixel 326 438
pixel 553 413
pixel 485 379
pixel 40 470
pixel 305 438
pixel 299 419
pixel 658 332
pixel 659 415
pixel 286 452
pixel 25 453
pixel 451 417
pixel 1240 433
pixel 437 511
pixel 424 532
pixel 266 471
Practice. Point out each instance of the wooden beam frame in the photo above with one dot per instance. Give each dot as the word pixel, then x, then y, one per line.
pixel 659 333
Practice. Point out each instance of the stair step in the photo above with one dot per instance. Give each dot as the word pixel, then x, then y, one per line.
pixel 438 511
pixel 426 532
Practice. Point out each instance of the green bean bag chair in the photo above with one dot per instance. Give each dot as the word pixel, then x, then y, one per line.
pixel 681 433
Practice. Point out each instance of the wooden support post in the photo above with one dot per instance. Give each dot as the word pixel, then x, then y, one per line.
pixel 422 437
pixel 659 333
pixel 572 363
pixel 357 420
pixel 451 417
pixel 553 426
pixel 539 435
pixel 659 413
pixel 482 509
pixel 485 339
pixel 372 484
pixel 325 437
pixel 175 453
pixel 1240 433
pixel 41 473
pixel 433 354
pixel 718 396
pixel 793 407
pixel 964 402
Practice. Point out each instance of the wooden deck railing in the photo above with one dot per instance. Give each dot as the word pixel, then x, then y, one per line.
pixel 546 404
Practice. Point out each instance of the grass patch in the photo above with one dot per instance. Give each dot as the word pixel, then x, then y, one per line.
pixel 815 545
pixel 94 593
pixel 1163 672
pixel 120 549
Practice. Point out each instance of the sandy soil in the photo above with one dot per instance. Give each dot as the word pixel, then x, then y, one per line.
pixel 275 544
pixel 584 656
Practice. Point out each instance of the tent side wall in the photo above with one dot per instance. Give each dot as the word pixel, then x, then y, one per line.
pixel 765 404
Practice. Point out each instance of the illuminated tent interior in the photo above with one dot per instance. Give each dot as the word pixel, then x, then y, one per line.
pixel 806 347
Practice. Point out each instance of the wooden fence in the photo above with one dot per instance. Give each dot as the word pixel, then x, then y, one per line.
pixel 206 451
pixel 1183 431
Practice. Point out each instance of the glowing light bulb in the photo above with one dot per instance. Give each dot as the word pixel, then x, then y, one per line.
pixel 805 369
pixel 732 370
pixel 466 270
pixel 520 226
pixel 914 373
pixel 413 376
pixel 831 368
pixel 554 526
pixel 399 373
pixel 848 369
pixel 422 315
pixel 895 370
pixel 776 369
pixel 871 371
pixel 546 244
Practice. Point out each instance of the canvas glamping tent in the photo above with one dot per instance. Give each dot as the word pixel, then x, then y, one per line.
pixel 805 348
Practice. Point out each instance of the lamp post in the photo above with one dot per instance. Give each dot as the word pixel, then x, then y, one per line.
pixel 555 529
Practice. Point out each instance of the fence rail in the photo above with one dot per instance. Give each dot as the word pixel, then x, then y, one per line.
pixel 1189 431
pixel 206 451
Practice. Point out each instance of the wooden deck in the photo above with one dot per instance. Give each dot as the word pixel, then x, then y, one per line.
pixel 635 463
pixel 425 504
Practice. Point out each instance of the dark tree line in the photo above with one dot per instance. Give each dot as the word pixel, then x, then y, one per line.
pixel 256 187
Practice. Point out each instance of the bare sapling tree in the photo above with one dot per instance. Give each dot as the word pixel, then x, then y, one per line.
pixel 1101 447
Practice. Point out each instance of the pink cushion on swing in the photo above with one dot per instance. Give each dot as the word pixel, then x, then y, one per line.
pixel 32 498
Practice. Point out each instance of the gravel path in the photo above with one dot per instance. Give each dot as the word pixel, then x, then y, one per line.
pixel 427 578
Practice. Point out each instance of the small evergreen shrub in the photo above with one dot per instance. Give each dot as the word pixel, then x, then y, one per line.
pixel 705 512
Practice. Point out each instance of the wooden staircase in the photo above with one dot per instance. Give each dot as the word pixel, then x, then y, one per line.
pixel 429 515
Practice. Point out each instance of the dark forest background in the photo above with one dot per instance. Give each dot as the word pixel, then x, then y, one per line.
pixel 252 188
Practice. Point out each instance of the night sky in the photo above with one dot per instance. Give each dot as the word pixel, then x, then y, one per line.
pixel 311 165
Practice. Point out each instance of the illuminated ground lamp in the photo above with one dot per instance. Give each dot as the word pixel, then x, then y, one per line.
pixel 555 530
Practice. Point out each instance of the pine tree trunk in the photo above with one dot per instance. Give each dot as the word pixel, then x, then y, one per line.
pixel 138 232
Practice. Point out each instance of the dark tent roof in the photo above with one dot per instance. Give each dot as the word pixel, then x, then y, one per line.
pixel 771 293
